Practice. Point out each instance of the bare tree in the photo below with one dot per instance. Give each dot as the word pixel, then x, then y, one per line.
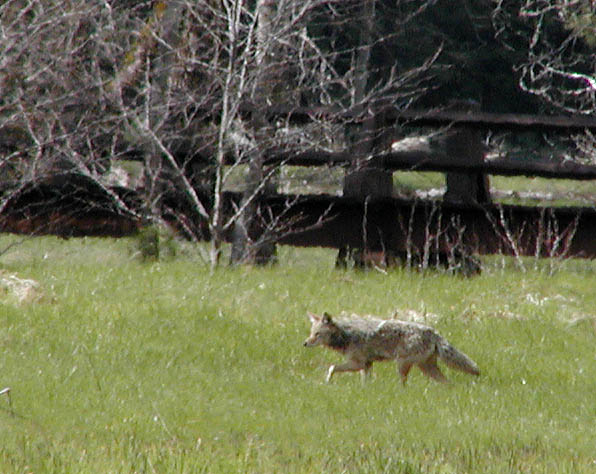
pixel 53 118
pixel 559 39
pixel 182 86
pixel 556 40
pixel 244 249
pixel 86 83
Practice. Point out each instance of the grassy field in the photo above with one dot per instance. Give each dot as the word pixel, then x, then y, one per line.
pixel 514 190
pixel 119 365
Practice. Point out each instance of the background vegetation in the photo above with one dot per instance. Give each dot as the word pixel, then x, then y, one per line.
pixel 180 87
pixel 118 364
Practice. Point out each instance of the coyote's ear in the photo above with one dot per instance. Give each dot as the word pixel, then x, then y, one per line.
pixel 313 317
pixel 326 318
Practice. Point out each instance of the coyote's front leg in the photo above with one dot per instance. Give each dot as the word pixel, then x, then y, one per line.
pixel 349 366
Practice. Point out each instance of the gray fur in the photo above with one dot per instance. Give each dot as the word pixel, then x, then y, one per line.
pixel 366 340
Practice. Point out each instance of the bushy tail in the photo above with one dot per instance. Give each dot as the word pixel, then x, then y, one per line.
pixel 456 359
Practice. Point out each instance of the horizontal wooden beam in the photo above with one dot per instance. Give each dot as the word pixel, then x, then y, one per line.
pixel 74 207
pixel 435 117
pixel 401 226
pixel 422 160
pixel 500 166
pixel 488 120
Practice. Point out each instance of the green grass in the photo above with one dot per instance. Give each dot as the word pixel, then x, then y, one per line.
pixel 514 190
pixel 132 366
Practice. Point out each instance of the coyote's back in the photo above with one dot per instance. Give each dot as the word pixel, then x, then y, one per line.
pixel 364 341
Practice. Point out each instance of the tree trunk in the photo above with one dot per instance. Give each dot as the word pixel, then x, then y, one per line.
pixel 252 242
pixel 362 181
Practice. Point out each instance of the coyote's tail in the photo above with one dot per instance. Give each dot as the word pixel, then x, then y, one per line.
pixel 456 359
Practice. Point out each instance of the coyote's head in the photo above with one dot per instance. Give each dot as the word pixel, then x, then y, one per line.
pixel 323 330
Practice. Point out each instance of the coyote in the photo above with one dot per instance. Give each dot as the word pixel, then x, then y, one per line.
pixel 364 341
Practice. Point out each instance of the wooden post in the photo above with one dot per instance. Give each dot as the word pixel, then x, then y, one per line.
pixel 364 182
pixel 465 143
pixel 469 188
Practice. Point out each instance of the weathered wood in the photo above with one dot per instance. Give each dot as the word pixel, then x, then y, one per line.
pixel 368 183
pixel 462 143
pixel 405 227
pixel 488 120
pixel 422 160
pixel 401 227
pixel 440 117
pixel 501 166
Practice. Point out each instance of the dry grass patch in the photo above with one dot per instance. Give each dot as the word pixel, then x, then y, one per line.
pixel 14 289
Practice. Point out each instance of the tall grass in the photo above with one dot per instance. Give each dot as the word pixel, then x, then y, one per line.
pixel 137 366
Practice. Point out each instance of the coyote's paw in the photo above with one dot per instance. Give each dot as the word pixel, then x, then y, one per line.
pixel 329 374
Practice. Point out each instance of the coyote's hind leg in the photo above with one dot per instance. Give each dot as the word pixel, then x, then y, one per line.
pixel 365 372
pixel 430 368
pixel 404 370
